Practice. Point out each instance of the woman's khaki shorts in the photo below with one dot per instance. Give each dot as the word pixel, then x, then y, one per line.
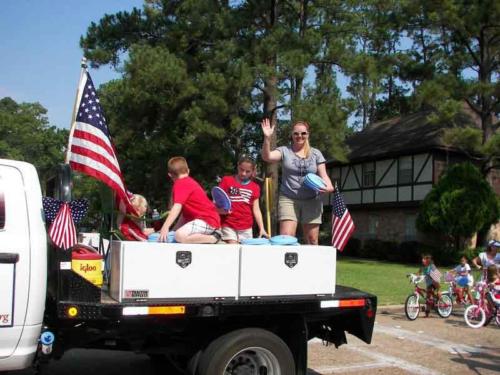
pixel 306 211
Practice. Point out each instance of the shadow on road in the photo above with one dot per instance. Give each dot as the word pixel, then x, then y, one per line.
pixel 484 361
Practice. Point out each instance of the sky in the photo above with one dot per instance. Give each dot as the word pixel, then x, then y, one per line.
pixel 40 54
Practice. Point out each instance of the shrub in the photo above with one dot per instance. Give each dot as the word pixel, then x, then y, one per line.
pixel 378 249
pixel 460 204
pixel 353 247
pixel 409 252
pixel 471 252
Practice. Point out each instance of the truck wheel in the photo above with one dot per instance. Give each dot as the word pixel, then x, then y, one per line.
pixel 251 351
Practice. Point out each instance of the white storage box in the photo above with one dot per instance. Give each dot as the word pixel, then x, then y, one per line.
pixel 160 271
pixel 287 270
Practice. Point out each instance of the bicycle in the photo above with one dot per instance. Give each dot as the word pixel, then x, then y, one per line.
pixel 484 310
pixel 458 295
pixel 443 305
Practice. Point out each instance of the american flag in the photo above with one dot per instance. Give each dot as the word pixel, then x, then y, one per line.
pixel 434 274
pixel 62 231
pixel 342 224
pixel 90 146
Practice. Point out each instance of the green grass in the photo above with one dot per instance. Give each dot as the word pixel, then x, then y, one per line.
pixel 386 280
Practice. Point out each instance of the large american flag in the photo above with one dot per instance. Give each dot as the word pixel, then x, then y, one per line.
pixel 90 146
pixel 62 231
pixel 342 224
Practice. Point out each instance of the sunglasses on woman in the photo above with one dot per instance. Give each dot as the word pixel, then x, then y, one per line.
pixel 296 134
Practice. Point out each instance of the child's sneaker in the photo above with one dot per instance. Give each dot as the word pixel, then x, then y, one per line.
pixel 218 236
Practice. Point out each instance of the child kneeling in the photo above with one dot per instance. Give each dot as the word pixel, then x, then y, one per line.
pixel 199 221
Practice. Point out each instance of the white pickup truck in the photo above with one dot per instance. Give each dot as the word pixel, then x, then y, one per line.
pixel 211 309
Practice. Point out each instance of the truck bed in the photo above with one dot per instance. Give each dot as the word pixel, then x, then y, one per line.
pixel 77 300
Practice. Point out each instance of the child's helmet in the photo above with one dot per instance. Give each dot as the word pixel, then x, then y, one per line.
pixel 493 243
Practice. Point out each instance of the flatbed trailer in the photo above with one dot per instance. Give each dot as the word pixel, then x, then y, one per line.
pixel 260 327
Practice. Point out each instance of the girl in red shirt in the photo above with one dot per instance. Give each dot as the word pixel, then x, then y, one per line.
pixel 244 195
pixel 133 228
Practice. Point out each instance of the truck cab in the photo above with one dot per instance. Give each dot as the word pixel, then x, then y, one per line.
pixel 23 263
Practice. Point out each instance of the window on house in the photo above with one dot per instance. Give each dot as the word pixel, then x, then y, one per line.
pixel 373 226
pixel 410 227
pixel 2 210
pixel 368 174
pixel 405 175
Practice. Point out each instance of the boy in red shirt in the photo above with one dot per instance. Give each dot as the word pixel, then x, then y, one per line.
pixel 199 222
pixel 244 195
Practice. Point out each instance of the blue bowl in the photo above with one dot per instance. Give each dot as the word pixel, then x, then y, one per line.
pixel 153 237
pixel 314 182
pixel 284 240
pixel 255 241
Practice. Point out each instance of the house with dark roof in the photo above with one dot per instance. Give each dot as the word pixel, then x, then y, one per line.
pixel 392 165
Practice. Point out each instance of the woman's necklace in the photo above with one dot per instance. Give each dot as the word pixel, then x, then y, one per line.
pixel 299 153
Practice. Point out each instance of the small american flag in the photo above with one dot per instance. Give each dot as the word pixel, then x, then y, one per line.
pixel 90 146
pixel 434 274
pixel 342 224
pixel 62 231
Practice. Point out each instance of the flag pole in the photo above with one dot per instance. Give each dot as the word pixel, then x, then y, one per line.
pixel 75 106
pixel 268 204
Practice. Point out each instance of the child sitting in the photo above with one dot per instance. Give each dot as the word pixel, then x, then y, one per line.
pixel 463 279
pixel 494 284
pixel 199 222
pixel 244 195
pixel 432 277
pixel 133 228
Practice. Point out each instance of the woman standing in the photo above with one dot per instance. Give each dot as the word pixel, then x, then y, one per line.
pixel 487 258
pixel 297 203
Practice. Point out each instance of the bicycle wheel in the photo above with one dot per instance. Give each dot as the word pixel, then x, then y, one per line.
pixel 444 306
pixel 474 316
pixel 412 307
pixel 489 314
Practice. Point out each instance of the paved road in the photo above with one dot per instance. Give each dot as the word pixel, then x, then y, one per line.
pixel 426 346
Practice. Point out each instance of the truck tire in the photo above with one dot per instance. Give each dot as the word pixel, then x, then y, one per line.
pixel 249 351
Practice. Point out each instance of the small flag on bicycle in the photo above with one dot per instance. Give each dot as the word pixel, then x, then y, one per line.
pixel 434 274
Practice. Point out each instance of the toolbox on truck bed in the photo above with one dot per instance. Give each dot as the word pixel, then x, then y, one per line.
pixel 163 271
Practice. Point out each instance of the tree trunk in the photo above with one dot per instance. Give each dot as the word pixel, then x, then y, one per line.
pixel 270 104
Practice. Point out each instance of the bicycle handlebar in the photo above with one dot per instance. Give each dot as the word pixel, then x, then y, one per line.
pixel 415 279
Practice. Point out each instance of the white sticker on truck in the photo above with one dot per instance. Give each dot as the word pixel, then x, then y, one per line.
pixel 65 265
pixel 7 274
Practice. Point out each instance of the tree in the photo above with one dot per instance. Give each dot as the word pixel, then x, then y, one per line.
pixel 459 205
pixel 463 39
pixel 200 75
pixel 25 134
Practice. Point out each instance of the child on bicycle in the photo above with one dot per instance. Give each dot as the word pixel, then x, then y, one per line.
pixel 432 277
pixel 494 283
pixel 463 279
